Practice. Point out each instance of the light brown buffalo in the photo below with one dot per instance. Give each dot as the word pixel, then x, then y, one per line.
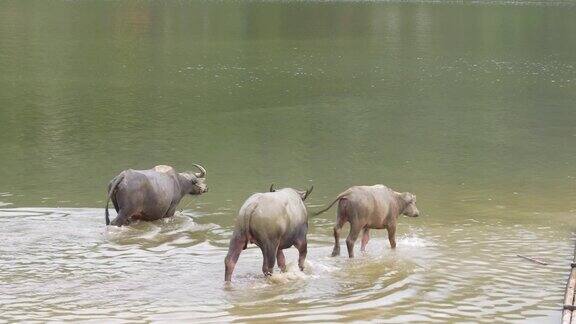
pixel 367 207
pixel 274 221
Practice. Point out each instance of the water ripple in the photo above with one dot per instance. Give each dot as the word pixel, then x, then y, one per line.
pixel 64 264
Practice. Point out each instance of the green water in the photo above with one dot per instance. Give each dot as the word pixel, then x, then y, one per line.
pixel 471 106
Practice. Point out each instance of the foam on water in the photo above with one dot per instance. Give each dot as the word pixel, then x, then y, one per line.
pixel 312 269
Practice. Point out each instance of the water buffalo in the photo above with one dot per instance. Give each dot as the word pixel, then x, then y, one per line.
pixel 367 207
pixel 151 194
pixel 274 220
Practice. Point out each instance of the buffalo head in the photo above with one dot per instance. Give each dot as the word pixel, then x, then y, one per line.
pixel 197 180
pixel 410 202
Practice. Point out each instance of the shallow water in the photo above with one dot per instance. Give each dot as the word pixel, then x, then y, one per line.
pixel 468 105
pixel 63 264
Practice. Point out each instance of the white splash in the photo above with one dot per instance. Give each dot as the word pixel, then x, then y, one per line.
pixel 414 241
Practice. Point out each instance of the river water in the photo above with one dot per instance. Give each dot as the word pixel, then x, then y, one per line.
pixel 469 105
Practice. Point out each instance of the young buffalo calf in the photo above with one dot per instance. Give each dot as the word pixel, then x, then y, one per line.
pixel 274 220
pixel 367 207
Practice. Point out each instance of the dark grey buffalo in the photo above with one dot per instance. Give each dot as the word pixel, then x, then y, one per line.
pixel 367 207
pixel 274 221
pixel 151 194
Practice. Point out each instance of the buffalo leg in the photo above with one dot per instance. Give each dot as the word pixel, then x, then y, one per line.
pixel 281 259
pixel 392 236
pixel 237 244
pixel 170 212
pixel 352 237
pixel 269 258
pixel 302 247
pixel 337 229
pixel 365 239
pixel 341 219
pixel 121 219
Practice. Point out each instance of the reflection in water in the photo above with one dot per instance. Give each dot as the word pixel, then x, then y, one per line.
pixel 65 264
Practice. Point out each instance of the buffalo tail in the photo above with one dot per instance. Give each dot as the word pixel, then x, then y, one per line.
pixel 325 209
pixel 111 191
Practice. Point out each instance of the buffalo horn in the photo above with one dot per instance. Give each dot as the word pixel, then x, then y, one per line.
pixel 308 193
pixel 202 173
